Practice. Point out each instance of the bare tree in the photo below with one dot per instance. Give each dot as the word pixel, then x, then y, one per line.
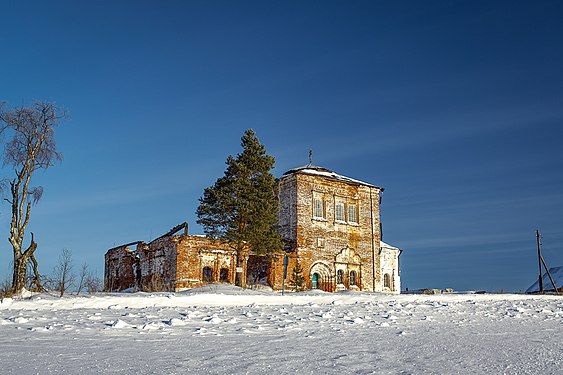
pixel 5 287
pixel 94 283
pixel 82 278
pixel 30 146
pixel 63 277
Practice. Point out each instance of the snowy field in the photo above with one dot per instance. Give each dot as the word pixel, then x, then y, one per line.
pixel 225 330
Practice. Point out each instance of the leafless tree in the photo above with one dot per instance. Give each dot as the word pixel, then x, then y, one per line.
pixel 94 284
pixel 5 287
pixel 63 277
pixel 29 134
pixel 82 278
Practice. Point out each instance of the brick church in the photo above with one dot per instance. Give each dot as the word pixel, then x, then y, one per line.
pixel 330 225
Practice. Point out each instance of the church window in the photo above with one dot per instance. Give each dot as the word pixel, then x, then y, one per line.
pixel 339 211
pixel 318 208
pixel 352 213
pixel 353 278
pixel 340 277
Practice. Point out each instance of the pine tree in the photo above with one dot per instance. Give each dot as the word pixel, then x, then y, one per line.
pixel 241 207
pixel 297 278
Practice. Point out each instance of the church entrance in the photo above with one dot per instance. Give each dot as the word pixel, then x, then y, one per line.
pixel 321 277
pixel 315 281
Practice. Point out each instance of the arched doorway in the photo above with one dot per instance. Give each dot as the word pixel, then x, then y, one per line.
pixel 207 274
pixel 321 277
pixel 315 281
pixel 224 275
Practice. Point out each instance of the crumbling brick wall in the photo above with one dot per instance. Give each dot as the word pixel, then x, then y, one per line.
pixel 170 263
pixel 158 264
pixel 196 253
pixel 121 265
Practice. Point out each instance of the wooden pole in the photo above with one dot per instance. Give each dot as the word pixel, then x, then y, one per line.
pixel 549 274
pixel 539 260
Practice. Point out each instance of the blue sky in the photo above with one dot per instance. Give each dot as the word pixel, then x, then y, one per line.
pixel 455 107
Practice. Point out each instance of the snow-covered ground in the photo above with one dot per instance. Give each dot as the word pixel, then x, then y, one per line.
pixel 225 330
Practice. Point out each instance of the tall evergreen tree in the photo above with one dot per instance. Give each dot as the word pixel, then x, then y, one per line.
pixel 241 207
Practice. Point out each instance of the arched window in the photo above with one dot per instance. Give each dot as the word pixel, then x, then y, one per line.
pixel 207 274
pixel 340 277
pixel 353 280
pixel 224 275
pixel 387 281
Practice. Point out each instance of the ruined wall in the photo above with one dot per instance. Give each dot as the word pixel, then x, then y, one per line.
pixel 201 260
pixel 120 269
pixel 157 261
pixel 324 243
pixel 170 263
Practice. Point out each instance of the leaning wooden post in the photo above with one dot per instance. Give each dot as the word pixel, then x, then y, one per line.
pixel 549 274
pixel 539 259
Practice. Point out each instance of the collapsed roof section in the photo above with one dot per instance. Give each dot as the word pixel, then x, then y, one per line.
pixel 171 232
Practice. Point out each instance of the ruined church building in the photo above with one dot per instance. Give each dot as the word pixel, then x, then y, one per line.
pixel 330 224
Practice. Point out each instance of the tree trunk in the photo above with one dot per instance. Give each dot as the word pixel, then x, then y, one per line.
pixel 21 260
pixel 242 259
pixel 35 283
pixel 20 274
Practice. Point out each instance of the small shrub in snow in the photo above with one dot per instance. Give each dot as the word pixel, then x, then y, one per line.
pixel 297 278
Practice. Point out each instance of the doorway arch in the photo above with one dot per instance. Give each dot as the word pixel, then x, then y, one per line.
pixel 315 281
pixel 207 274
pixel 224 275
pixel 321 276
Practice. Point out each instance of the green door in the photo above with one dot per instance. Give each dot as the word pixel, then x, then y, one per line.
pixel 315 281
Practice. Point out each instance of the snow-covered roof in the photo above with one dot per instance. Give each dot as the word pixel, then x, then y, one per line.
pixel 323 172
pixel 387 246
pixel 556 273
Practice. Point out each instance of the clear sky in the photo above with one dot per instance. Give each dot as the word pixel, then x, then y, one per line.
pixel 454 107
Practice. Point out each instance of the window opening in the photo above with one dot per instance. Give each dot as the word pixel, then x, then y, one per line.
pixel 387 281
pixel 318 208
pixel 352 216
pixel 207 274
pixel 339 212
pixel 340 277
pixel 352 278
pixel 224 275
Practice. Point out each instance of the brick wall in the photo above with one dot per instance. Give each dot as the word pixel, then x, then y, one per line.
pixel 196 253
pixel 120 269
pixel 324 244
